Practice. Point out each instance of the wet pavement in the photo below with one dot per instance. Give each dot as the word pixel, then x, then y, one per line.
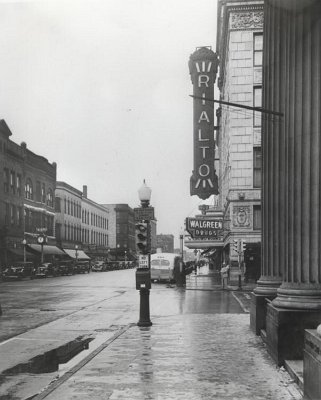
pixel 191 356
pixel 199 347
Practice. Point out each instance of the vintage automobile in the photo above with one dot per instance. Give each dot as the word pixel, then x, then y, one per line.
pixel 67 268
pixel 47 269
pixel 83 267
pixel 99 266
pixel 19 271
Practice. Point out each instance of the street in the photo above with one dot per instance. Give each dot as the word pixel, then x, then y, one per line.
pixel 66 313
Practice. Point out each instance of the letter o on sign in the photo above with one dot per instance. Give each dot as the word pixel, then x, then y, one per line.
pixel 204 170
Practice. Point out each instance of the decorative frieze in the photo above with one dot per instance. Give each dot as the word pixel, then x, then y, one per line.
pixel 247 20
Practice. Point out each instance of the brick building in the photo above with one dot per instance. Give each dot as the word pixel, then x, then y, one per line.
pixel 122 242
pixel 27 186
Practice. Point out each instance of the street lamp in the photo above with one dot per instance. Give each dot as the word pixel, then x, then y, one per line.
pixel 76 251
pixel 181 238
pixel 143 279
pixel 24 242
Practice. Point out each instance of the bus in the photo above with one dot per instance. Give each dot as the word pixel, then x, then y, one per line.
pixel 162 266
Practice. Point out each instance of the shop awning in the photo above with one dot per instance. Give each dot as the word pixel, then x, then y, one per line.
pixel 18 252
pixel 53 250
pixel 209 252
pixel 81 255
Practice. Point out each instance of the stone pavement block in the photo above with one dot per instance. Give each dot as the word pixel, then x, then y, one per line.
pixel 189 356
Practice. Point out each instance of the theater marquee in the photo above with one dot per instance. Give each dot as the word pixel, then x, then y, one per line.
pixel 203 65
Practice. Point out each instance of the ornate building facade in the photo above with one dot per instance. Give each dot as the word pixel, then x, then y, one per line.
pixel 27 187
pixel 238 137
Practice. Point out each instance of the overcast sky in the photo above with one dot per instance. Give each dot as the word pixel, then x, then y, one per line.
pixel 102 88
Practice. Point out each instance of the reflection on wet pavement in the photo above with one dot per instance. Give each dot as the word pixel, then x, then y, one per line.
pixel 193 357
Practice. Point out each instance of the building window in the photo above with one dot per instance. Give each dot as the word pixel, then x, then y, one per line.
pixel 12 182
pixel 257 101
pixel 18 184
pixel 38 191
pixel 57 204
pixel 50 199
pixel 19 216
pixel 6 180
pixel 257 223
pixel 43 193
pixel 7 214
pixel 29 189
pixel 12 214
pixel 258 49
pixel 257 167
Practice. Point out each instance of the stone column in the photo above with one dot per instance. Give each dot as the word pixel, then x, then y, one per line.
pixel 273 173
pixel 295 173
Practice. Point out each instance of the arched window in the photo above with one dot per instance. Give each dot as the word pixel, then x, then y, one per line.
pixel 43 193
pixel 29 189
pixel 50 198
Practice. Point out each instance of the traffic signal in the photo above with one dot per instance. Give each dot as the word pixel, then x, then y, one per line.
pixel 243 246
pixel 142 238
pixel 236 245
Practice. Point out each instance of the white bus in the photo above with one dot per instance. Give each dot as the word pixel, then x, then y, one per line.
pixel 162 266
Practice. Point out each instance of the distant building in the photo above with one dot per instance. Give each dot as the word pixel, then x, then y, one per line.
pixel 68 215
pixel 165 243
pixel 27 186
pixel 81 221
pixel 122 241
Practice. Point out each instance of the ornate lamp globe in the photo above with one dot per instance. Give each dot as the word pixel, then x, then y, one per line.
pixel 144 194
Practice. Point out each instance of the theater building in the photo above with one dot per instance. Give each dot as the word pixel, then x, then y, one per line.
pixel 287 299
pixel 238 134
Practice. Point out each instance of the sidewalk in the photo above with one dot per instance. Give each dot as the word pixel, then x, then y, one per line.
pixel 181 357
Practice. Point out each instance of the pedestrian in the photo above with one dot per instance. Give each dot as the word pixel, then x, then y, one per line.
pixel 228 273
pixel 224 276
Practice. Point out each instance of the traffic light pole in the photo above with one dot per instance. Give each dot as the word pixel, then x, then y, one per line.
pixel 143 279
pixel 240 273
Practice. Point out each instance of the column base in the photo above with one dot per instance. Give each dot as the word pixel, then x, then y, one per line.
pixel 312 365
pixel 258 312
pixel 285 331
pixel 298 296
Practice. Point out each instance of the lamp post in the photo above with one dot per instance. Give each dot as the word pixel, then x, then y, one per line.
pixel 144 194
pixel 24 242
pixel 181 238
pixel 76 253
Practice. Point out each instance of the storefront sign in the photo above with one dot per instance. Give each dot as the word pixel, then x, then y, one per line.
pixel 204 228
pixel 203 65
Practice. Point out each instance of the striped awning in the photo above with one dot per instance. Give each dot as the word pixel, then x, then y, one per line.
pixel 53 250
pixel 81 255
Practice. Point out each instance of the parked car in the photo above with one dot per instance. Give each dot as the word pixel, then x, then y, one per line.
pixel 67 268
pixel 99 266
pixel 83 267
pixel 47 269
pixel 41 271
pixel 18 271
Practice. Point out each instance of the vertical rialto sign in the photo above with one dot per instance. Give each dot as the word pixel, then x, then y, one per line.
pixel 203 65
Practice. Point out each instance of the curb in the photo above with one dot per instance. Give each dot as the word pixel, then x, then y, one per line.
pixel 55 384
